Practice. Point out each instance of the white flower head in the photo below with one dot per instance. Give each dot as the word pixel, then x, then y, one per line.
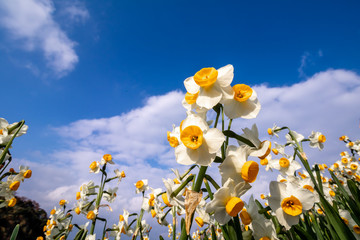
pixel 226 202
pixel 288 201
pixel 236 166
pixel 141 186
pixel 208 84
pixel 199 143
pixel 287 166
pixel 240 101
pixel 317 140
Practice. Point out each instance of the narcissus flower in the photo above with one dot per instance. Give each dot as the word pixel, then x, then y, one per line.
pixel 107 158
pixel 199 143
pixel 236 166
pixel 317 140
pixel 287 166
pixel 273 131
pixel 240 101
pixel 5 127
pixel 262 148
pixel 226 202
pixel 141 186
pixel 208 84
pixel 288 201
pixel 94 167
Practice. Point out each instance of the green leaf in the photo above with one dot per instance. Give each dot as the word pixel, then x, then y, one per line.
pixel 15 232
pixel 231 134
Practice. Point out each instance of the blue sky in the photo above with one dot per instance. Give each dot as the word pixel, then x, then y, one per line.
pixel 112 63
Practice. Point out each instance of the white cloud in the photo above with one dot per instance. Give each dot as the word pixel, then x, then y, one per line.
pixel 326 102
pixel 31 22
pixel 76 11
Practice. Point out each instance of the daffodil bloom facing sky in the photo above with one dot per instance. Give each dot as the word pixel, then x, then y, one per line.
pixel 199 143
pixel 288 201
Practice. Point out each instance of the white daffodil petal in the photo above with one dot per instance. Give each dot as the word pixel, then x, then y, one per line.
pixel 306 198
pixel 208 98
pixel 222 217
pixel 214 139
pixel 225 75
pixel 191 86
pixel 182 156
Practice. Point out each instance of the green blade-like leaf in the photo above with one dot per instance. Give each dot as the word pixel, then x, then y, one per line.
pixel 15 232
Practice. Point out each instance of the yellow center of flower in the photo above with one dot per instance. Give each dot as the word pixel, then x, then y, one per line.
pixel 284 162
pixel 342 154
pixel 14 185
pixel 93 165
pixel 351 144
pixel 153 213
pixel 107 157
pixel 122 174
pixel 345 220
pixel 12 202
pixel 151 200
pixel 344 160
pixel 342 138
pixel 267 151
pixel 139 184
pixel 353 166
pixel 121 218
pixel 264 161
pixel 321 167
pixel 283 180
pixel 191 98
pixel 242 92
pixel 234 206
pixel 249 171
pixel 90 215
pixel 78 195
pixel 270 131
pixel 77 210
pixel 62 202
pixel 52 212
pixel 192 137
pixel 321 138
pixel 356 229
pixel 199 221
pixel 275 151
pixel 245 217
pixel 264 238
pixel 292 206
pixel 206 77
pixel 308 187
pixel 332 193
pixel 165 199
pixel 262 196
pixel 320 211
pixel 173 141
pixel 336 165
pixel 27 174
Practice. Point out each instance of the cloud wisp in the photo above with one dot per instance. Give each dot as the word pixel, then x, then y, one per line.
pixel 32 25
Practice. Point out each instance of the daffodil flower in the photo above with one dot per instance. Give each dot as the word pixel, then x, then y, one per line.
pixel 287 166
pixel 110 194
pixel 208 85
pixel 299 137
pixel 317 140
pixel 236 166
pixel 288 201
pixel 141 186
pixel 199 143
pixel 272 131
pixel 262 148
pixel 240 101
pixel 227 203
pixel 5 135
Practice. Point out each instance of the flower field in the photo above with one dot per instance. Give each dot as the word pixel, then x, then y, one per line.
pixel 307 201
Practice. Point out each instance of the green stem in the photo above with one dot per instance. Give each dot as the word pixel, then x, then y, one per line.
pixel 8 145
